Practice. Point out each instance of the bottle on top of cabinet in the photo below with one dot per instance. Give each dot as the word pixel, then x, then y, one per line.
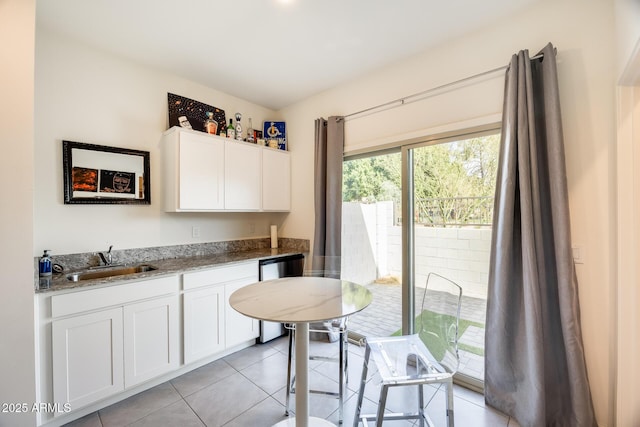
pixel 231 130
pixel 250 137
pixel 210 125
pixel 223 129
pixel 238 127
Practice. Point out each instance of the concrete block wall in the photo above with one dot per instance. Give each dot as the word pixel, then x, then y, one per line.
pixel 359 242
pixel 461 254
pixel 372 248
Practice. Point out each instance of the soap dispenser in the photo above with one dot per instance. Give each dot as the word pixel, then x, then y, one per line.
pixel 45 264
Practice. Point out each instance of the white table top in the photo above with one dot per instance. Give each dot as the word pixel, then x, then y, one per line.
pixel 300 299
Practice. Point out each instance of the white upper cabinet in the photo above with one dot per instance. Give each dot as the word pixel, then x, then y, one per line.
pixel 204 172
pixel 276 180
pixel 193 172
pixel 242 177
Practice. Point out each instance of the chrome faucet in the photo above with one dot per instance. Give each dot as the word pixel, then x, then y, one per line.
pixel 106 259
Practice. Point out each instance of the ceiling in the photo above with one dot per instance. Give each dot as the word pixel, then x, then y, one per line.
pixel 271 52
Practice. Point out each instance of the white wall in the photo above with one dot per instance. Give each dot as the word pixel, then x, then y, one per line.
pixel 628 161
pixel 90 96
pixel 583 32
pixel 627 14
pixel 17 358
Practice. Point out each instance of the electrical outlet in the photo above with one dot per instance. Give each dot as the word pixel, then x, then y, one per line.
pixel 578 254
pixel 195 232
pixel 252 228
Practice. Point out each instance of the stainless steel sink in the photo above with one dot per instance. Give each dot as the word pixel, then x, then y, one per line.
pixel 110 272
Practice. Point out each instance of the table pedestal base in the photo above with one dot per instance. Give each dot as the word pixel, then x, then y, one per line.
pixel 313 422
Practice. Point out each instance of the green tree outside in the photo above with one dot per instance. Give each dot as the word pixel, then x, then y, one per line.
pixel 454 182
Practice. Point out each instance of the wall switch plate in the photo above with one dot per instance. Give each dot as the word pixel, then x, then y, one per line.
pixel 195 232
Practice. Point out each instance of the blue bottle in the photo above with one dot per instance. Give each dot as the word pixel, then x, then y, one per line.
pixel 45 264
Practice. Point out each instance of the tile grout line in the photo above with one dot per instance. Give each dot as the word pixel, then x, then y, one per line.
pixel 194 412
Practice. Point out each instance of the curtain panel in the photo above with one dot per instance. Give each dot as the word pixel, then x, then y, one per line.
pixel 327 241
pixel 534 357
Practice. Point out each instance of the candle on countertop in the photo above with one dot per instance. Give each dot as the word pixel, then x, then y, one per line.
pixel 274 236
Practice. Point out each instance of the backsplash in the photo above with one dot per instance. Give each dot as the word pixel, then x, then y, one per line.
pixel 79 261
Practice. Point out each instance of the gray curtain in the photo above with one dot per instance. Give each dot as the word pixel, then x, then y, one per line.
pixel 329 146
pixel 534 357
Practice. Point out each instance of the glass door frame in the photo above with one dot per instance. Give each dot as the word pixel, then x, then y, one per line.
pixel 408 229
pixel 405 148
pixel 408 211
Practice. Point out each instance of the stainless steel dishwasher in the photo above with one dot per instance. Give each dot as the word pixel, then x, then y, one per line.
pixel 275 268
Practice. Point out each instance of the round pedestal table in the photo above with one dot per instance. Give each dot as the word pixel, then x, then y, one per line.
pixel 301 300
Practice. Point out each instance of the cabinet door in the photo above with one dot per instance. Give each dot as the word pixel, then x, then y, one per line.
pixel 201 172
pixel 238 327
pixel 203 323
pixel 87 357
pixel 276 180
pixel 150 339
pixel 242 179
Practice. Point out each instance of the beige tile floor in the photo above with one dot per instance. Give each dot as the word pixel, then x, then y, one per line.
pixel 247 389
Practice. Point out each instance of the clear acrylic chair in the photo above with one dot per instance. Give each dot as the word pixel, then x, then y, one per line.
pixel 337 329
pixel 430 356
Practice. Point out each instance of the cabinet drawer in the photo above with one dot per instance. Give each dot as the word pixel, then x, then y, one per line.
pixel 248 270
pixel 92 299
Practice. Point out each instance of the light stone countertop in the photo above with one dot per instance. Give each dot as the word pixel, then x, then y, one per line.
pixel 165 267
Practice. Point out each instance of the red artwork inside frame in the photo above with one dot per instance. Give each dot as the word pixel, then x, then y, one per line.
pixel 84 179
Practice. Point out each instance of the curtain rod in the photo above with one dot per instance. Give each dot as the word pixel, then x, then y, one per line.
pixel 403 100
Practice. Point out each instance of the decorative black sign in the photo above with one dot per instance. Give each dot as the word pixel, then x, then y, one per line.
pixel 187 113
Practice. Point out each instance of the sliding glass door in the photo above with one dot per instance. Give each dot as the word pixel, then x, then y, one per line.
pixel 449 206
pixel 371 239
pixel 420 208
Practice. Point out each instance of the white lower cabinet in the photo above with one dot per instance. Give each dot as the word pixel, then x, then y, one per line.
pixel 87 357
pixel 238 327
pixel 211 325
pixel 203 323
pixel 150 339
pixel 109 339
